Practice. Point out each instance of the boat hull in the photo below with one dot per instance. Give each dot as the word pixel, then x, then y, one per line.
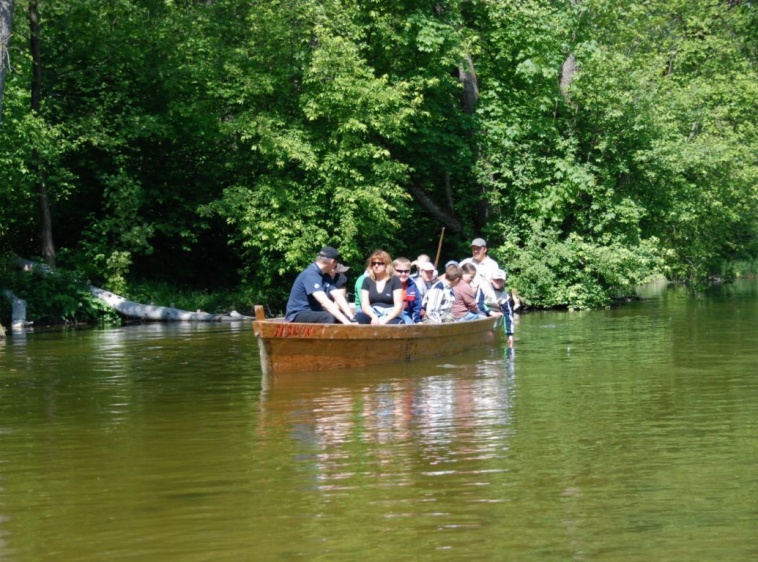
pixel 290 346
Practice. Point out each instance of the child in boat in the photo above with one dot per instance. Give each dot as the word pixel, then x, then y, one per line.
pixel 440 298
pixel 465 306
pixel 411 313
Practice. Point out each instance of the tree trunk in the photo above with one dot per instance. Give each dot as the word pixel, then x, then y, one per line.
pixel 568 70
pixel 18 315
pixel 447 219
pixel 46 227
pixel 156 313
pixel 467 76
pixel 469 99
pixel 6 19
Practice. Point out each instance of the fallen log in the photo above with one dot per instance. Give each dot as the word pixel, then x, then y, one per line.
pixel 131 309
pixel 156 313
pixel 18 315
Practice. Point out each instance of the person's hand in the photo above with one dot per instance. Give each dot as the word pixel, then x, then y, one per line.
pixel 376 321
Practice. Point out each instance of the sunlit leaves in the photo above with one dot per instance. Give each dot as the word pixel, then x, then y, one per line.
pixel 281 125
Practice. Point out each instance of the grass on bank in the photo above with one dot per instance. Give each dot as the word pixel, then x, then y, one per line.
pixel 747 268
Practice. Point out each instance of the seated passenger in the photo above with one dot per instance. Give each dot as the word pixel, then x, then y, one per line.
pixel 381 293
pixel 422 258
pixel 309 297
pixel 464 305
pixel 427 275
pixel 440 298
pixel 358 289
pixel 340 295
pixel 411 294
pixel 485 296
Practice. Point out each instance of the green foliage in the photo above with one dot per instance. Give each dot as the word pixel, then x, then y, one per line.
pixel 201 143
pixel 577 273
pixel 748 268
pixel 53 298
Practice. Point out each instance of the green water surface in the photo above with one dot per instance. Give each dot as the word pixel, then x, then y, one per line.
pixel 628 434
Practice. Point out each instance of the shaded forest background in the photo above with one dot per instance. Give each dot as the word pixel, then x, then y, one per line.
pixel 216 145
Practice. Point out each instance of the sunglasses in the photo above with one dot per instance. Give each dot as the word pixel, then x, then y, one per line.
pixel 375 263
pixel 402 270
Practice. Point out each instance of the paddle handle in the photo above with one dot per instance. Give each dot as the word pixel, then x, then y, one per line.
pixel 439 248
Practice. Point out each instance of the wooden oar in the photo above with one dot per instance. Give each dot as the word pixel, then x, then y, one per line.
pixel 439 248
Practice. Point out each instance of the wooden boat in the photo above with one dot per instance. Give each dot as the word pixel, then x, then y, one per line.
pixel 291 346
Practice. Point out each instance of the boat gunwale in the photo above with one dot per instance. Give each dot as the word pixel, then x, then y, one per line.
pixel 278 328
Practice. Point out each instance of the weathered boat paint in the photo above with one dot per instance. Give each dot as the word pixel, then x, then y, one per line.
pixel 290 346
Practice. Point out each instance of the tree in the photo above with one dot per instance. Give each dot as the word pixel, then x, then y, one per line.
pixel 591 150
pixel 46 226
pixel 6 21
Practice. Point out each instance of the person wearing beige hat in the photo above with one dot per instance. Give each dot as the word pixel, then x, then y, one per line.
pixel 485 269
pixel 485 265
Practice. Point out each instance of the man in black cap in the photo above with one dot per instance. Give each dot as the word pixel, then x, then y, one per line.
pixel 309 298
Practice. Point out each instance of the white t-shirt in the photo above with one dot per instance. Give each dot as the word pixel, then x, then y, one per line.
pixel 486 268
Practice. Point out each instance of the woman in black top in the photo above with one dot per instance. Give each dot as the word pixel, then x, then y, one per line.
pixel 382 292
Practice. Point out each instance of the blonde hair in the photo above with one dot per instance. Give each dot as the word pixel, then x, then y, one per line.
pixel 399 262
pixel 377 255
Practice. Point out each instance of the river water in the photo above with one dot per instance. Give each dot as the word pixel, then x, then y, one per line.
pixel 628 434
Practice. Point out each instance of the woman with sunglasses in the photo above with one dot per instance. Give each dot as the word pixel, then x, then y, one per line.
pixel 382 292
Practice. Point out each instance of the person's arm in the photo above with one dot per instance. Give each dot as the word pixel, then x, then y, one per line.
pixel 357 291
pixel 338 295
pixel 329 305
pixel 467 296
pixel 416 305
pixel 490 299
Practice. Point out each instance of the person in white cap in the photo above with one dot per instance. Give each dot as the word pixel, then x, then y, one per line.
pixel 427 276
pixel 419 260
